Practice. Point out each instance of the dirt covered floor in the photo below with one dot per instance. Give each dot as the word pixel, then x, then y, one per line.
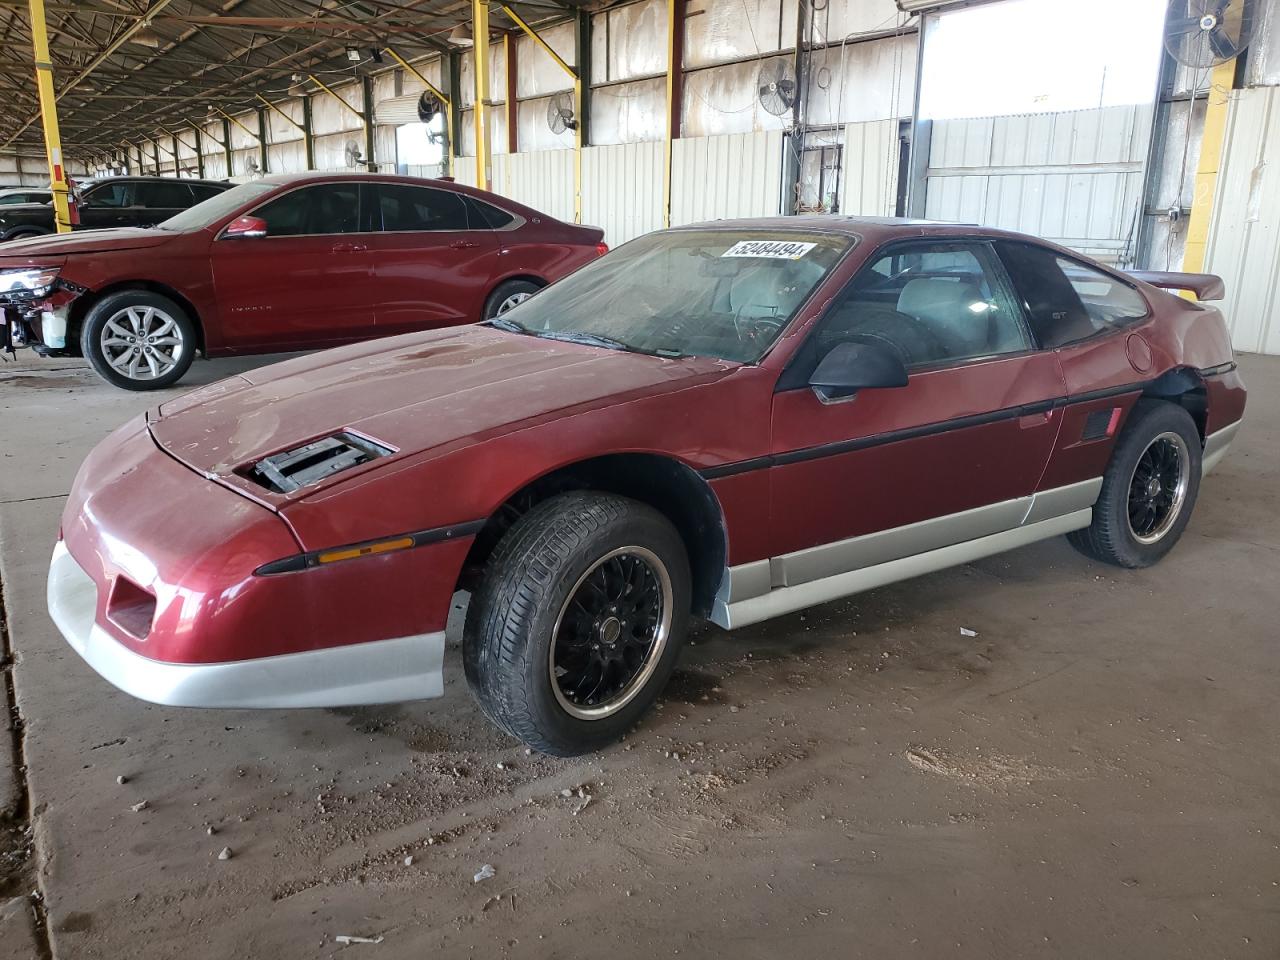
pixel 1095 773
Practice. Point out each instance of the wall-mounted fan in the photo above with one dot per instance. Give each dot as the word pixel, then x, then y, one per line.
pixel 560 116
pixel 354 156
pixel 252 166
pixel 1206 33
pixel 429 107
pixel 776 84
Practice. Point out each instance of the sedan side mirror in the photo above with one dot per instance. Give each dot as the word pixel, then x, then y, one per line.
pixel 245 228
pixel 851 367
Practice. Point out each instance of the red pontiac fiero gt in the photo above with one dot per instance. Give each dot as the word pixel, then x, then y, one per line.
pixel 732 421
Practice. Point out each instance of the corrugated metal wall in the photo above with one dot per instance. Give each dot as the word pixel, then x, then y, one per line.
pixel 869 178
pixel 32 169
pixel 542 179
pixel 1073 177
pixel 622 189
pixel 739 175
pixel 1244 235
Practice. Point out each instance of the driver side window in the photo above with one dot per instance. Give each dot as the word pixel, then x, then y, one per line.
pixel 931 303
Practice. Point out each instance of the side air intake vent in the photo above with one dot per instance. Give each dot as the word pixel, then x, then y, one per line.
pixel 313 462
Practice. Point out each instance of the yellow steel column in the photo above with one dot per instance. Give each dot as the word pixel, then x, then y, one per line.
pixel 480 34
pixel 1215 129
pixel 49 116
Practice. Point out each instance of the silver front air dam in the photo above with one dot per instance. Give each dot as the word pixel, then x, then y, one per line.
pixel 381 671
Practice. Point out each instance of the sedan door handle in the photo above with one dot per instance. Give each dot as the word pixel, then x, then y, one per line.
pixel 464 244
pixel 349 247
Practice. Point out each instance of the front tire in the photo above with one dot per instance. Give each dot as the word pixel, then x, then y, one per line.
pixel 1149 488
pixel 138 340
pixel 578 621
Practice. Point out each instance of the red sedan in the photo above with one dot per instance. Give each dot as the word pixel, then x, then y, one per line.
pixel 731 421
pixel 284 263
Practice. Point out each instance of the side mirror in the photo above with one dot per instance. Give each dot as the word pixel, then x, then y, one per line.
pixel 851 367
pixel 245 228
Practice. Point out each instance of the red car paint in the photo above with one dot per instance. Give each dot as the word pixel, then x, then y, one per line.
pixel 474 414
pixel 296 292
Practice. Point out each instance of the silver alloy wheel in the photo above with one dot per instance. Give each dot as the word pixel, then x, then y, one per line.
pixel 141 342
pixel 612 627
pixel 1158 487
pixel 512 301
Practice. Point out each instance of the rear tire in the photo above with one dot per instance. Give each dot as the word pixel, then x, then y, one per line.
pixel 508 294
pixel 138 340
pixel 1149 488
pixel 578 621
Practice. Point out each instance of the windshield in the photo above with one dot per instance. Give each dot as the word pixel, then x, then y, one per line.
pixel 210 211
pixel 705 293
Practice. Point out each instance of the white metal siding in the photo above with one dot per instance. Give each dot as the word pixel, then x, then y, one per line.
pixel 739 175
pixel 1244 234
pixel 622 190
pixel 1074 177
pixel 542 179
pixel 869 178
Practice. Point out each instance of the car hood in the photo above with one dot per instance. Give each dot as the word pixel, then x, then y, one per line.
pixel 83 241
pixel 414 394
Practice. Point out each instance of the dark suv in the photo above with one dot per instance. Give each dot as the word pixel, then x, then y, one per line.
pixel 116 202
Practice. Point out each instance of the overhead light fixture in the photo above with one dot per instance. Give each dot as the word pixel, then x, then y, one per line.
pixel 146 37
pixel 461 36
pixel 354 55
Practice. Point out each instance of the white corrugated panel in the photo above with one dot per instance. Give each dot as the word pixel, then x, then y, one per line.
pixel 1074 177
pixel 622 189
pixel 869 169
pixel 1244 234
pixel 739 175
pixel 384 148
pixel 542 179
pixel 464 171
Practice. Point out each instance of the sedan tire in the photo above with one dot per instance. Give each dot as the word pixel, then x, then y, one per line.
pixel 138 340
pixel 1149 488
pixel 510 293
pixel 578 621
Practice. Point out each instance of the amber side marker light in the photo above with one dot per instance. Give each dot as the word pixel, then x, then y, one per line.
pixel 369 548
pixel 366 550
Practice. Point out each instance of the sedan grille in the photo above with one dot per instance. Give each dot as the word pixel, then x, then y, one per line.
pixel 309 464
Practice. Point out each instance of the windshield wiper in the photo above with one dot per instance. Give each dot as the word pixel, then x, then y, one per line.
pixel 509 325
pixel 585 339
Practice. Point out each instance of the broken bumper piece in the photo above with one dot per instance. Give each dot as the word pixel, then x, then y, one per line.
pixel 381 671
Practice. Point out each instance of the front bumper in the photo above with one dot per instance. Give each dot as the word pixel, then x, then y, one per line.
pixel 380 671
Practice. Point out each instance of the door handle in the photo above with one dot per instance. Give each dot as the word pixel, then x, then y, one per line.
pixel 349 247
pixel 463 244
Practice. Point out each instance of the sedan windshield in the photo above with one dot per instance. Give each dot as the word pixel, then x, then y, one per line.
pixel 706 293
pixel 208 212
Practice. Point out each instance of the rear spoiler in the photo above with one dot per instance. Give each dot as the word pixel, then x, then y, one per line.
pixel 1204 285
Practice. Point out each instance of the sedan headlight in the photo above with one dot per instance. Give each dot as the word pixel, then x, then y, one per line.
pixel 27 283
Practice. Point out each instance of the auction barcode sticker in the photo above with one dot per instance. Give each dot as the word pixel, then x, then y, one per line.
pixel 772 249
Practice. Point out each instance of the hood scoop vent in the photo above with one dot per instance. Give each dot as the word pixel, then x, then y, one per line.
pixel 309 464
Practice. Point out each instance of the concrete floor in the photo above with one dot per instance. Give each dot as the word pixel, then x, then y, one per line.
pixel 1095 774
